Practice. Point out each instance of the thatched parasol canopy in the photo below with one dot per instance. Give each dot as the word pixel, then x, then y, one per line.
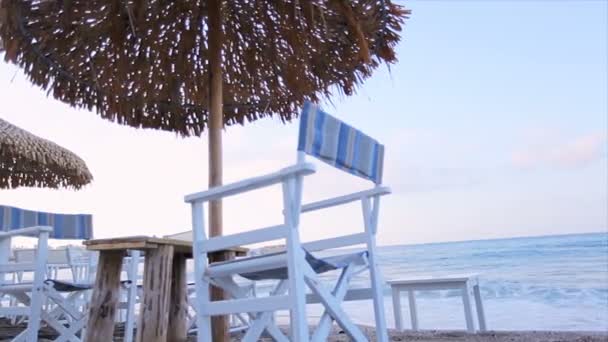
pixel 27 160
pixel 194 65
pixel 145 63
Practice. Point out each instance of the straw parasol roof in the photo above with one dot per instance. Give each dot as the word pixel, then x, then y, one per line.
pixel 27 160
pixel 145 63
pixel 194 65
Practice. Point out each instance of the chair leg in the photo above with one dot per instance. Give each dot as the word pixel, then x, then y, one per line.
pixel 297 295
pixel 31 332
pixel 370 218
pixel 264 319
pixel 340 290
pixel 37 290
pixel 203 321
pixel 378 295
pixel 295 259
pixel 332 305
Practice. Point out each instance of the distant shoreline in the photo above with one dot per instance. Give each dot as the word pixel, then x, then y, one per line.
pixel 497 239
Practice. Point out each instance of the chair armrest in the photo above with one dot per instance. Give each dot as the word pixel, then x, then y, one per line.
pixel 332 202
pixel 301 169
pixel 29 231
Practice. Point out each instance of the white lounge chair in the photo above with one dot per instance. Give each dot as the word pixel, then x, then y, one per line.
pixel 344 147
pixel 64 316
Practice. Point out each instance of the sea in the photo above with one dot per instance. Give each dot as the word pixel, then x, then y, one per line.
pixel 528 283
pixel 557 283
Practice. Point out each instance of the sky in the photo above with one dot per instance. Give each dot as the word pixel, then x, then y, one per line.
pixel 495 123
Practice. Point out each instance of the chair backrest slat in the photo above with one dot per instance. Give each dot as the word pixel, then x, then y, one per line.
pixel 340 145
pixel 65 226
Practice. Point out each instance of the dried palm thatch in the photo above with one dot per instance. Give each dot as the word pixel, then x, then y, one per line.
pixel 27 160
pixel 144 63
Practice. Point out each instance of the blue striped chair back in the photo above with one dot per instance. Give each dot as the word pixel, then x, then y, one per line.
pixel 65 226
pixel 340 145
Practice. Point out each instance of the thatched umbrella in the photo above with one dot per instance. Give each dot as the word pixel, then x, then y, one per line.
pixel 186 66
pixel 27 160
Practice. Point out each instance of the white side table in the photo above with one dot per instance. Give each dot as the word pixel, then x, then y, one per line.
pixel 467 284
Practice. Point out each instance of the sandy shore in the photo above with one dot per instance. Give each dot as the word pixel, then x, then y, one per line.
pixel 7 332
pixel 494 336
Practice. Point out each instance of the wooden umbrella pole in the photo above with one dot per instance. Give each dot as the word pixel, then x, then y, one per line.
pixel 216 125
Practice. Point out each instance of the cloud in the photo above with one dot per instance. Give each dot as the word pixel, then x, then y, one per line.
pixel 576 152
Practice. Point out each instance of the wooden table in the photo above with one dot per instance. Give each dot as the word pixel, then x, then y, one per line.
pixel 163 313
pixel 467 284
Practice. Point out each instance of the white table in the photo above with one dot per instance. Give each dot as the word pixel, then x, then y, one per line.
pixel 467 284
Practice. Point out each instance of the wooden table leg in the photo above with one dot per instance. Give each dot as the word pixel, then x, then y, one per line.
pixel 178 318
pixel 220 324
pixel 153 320
pixel 100 326
pixel 481 316
pixel 411 295
pixel 397 308
pixel 468 312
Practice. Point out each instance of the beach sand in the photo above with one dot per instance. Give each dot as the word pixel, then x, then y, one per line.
pixel 461 336
pixel 7 332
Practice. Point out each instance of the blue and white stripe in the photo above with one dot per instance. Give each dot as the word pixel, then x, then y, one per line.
pixel 340 145
pixel 65 226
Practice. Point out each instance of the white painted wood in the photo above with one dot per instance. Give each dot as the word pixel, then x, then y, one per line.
pixel 481 316
pixel 351 295
pixel 240 239
pixel 425 281
pixel 411 297
pixel 33 324
pixel 264 319
pixel 397 309
pixel 370 219
pixel 300 275
pixel 272 303
pixel 64 311
pixel 465 284
pixel 295 261
pixel 468 313
pixel 332 306
pixel 252 183
pixel 202 286
pixel 337 242
pixel 432 287
pixel 18 267
pixel 324 326
pixel 29 231
pixel 246 265
pixel 132 296
pixel 61 312
pixel 5 255
pixel 336 201
pixel 231 287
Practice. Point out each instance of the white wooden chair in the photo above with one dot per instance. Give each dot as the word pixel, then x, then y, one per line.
pixel 63 316
pixel 341 146
pixel 56 260
pixel 131 294
pixel 82 263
